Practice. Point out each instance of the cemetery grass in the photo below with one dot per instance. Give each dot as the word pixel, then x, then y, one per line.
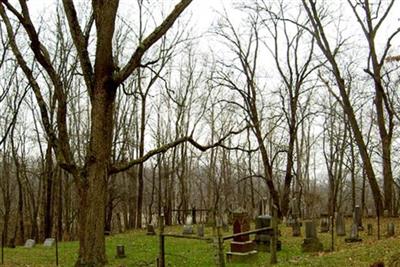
pixel 142 250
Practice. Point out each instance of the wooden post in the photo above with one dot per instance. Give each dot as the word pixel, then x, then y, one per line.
pixel 379 225
pixel 194 215
pixel 161 258
pixel 55 239
pixel 2 246
pixel 274 235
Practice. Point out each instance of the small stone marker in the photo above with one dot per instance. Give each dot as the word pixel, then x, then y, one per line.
pixel 386 213
pixel 187 229
pixel 353 235
pixel 120 251
pixel 311 243
pixel 369 227
pixel 340 225
pixel 30 243
pixel 296 229
pixel 200 230
pixel 49 242
pixel 390 229
pixel 150 230
pixel 324 227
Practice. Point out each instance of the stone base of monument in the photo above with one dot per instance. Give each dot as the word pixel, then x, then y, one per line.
pixel 312 245
pixel 242 246
pixel 241 251
pixel 242 257
pixel 265 246
pixel 352 239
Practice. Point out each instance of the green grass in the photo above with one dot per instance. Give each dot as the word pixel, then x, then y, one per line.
pixel 142 250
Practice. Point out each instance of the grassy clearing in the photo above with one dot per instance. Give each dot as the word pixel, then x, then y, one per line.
pixel 142 250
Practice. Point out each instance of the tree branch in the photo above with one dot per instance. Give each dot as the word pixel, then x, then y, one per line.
pixel 151 39
pixel 119 167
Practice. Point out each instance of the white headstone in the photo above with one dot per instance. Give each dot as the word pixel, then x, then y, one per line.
pixel 49 242
pixel 30 243
pixel 189 220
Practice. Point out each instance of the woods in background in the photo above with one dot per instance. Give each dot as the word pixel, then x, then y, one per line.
pixel 110 120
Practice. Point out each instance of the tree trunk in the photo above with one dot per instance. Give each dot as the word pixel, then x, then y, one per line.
pixel 93 184
pixel 93 187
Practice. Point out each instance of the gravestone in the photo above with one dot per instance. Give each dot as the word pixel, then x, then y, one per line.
pixel 357 218
pixel 188 227
pixel 291 220
pixel 120 251
pixel 369 227
pixel 390 230
pixel 30 243
pixel 296 229
pixel 324 226
pixel 200 230
pixel 340 225
pixel 49 242
pixel 353 235
pixel 150 230
pixel 242 249
pixel 263 239
pixel 311 242
pixel 386 213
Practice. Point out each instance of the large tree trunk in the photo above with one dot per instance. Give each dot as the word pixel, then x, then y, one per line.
pixel 94 185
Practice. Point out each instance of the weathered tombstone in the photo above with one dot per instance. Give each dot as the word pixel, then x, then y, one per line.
pixel 353 235
pixel 357 218
pixel 386 213
pixel 49 242
pixel 311 242
pixel 242 248
pixel 296 229
pixel 324 226
pixel 263 239
pixel 188 227
pixel 30 243
pixel 340 225
pixel 263 207
pixel 150 230
pixel 200 230
pixel 369 227
pixel 390 229
pixel 120 251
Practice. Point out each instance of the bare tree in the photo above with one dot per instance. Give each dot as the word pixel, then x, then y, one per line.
pixel 316 14
pixel 371 18
pixel 102 80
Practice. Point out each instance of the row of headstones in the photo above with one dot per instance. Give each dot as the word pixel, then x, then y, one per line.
pixel 311 242
pixel 49 242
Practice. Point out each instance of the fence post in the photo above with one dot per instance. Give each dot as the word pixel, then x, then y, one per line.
pixel 274 235
pixel 161 257
pixel 194 215
pixel 56 239
pixel 3 234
